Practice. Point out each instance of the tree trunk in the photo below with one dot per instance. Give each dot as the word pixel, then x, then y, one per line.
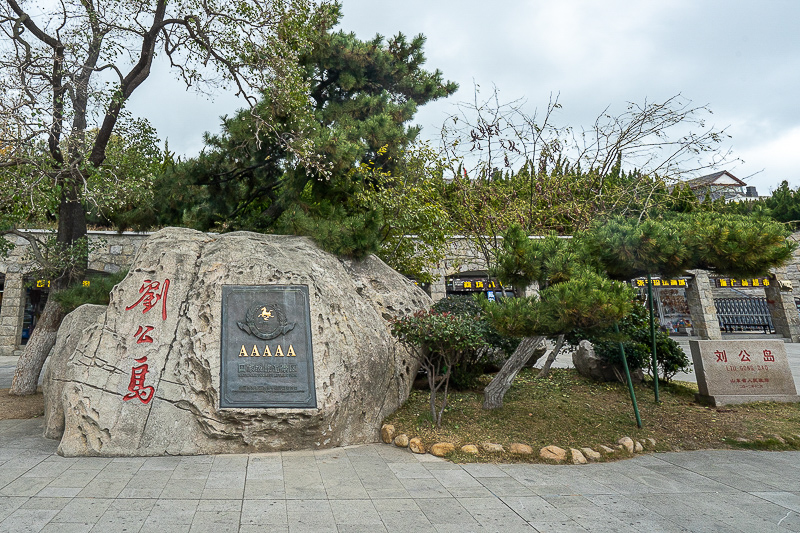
pixel 494 391
pixel 43 337
pixel 545 371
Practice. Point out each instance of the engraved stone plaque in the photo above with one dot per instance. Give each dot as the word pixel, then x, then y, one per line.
pixel 741 371
pixel 266 355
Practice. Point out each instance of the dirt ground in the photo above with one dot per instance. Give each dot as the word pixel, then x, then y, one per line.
pixel 14 407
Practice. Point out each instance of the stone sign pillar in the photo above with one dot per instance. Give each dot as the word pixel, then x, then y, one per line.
pixel 731 372
pixel 12 313
pixel 701 306
pixel 785 317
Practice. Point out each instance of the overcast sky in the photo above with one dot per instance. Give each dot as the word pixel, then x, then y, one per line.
pixel 741 58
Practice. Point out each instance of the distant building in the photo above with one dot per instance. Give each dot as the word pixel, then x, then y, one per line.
pixel 722 185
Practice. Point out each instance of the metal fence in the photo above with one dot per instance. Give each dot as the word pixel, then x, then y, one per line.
pixel 744 314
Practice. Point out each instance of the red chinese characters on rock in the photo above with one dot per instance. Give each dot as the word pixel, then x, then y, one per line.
pixel 151 296
pixel 152 292
pixel 768 357
pixel 137 387
pixel 722 357
pixel 744 356
pixel 143 335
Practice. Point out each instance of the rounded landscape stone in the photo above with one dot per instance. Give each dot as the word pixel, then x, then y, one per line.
pixel 492 447
pixel 470 448
pixel 440 449
pixel 401 441
pixel 590 454
pixel 416 446
pixel 387 433
pixel 553 453
pixel 521 449
pixel 577 457
pixel 626 443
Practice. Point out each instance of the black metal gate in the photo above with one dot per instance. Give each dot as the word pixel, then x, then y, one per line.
pixel 744 314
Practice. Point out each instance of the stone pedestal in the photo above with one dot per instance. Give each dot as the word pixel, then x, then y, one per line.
pixel 700 298
pixel 12 313
pixel 784 313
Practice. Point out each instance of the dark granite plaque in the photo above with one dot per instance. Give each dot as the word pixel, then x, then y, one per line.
pixel 266 357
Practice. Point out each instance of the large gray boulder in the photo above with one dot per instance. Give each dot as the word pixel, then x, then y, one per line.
pixel 361 373
pixel 590 365
pixel 69 333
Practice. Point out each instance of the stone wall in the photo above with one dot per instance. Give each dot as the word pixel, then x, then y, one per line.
pixel 110 252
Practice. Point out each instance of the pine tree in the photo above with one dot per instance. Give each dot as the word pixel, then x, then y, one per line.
pixel 362 96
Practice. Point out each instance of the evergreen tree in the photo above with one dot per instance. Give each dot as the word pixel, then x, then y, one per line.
pixel 362 94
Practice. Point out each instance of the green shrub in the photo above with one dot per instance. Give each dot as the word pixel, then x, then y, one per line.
pixel 480 361
pixel 97 292
pixel 635 337
pixel 439 341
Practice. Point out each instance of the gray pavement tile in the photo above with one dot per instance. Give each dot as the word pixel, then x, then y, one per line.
pixel 27 520
pixel 484 470
pixel 446 511
pixel 687 511
pixel 558 526
pixel 264 512
pixel 264 490
pixel 505 486
pixel 201 526
pixel 361 528
pixel 24 486
pixel 788 500
pixel 478 491
pixel 74 478
pixel 58 492
pixel 151 525
pixel 9 504
pixel 161 463
pixel 83 510
pixel 302 527
pixel 586 514
pixel 425 488
pixel 183 489
pixel 213 506
pixel 51 503
pixel 354 512
pixel 102 489
pixel 455 478
pixel 173 511
pixel 115 521
pixel 222 494
pixel 394 491
pixel 68 527
pixel 345 491
pixel 273 528
pixel 410 471
pixel 633 514
pixel 137 505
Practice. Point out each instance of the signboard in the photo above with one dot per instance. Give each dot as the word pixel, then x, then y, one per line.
pixel 750 282
pixel 265 351
pixel 730 372
pixel 642 282
pixel 475 285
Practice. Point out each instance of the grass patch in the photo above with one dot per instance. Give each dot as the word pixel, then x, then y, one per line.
pixel 571 411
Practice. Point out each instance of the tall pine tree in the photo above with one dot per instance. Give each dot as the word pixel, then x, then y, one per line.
pixel 363 94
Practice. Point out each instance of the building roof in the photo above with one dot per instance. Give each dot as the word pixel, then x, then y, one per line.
pixel 723 178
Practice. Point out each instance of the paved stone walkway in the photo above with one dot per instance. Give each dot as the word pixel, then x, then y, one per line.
pixel 378 487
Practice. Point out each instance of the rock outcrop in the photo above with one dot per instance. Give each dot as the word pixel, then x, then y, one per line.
pixel 144 379
pixel 590 365
pixel 70 332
